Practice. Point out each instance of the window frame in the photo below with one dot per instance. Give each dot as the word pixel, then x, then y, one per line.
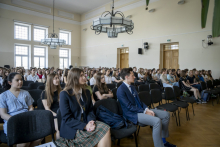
pixel 45 56
pixel 23 25
pixel 68 58
pixel 28 55
pixel 41 28
pixel 69 35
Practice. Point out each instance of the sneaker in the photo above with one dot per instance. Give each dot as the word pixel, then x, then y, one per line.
pixel 203 102
pixel 167 144
pixel 198 101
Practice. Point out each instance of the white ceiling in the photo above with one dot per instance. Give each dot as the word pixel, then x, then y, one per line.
pixel 74 6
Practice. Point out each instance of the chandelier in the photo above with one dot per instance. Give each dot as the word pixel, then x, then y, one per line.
pixel 112 25
pixel 52 39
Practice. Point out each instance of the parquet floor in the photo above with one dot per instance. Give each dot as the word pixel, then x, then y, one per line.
pixel 203 129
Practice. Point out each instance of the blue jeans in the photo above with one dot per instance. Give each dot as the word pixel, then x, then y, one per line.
pixel 198 86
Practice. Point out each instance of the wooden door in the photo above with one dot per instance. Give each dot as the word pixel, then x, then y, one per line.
pixel 124 60
pixel 171 59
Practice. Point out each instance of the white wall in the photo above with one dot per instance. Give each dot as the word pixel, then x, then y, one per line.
pixel 180 23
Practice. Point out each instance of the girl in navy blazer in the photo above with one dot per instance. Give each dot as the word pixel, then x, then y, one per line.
pixel 78 125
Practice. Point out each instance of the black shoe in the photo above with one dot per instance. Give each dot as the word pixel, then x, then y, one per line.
pixel 167 144
pixel 198 101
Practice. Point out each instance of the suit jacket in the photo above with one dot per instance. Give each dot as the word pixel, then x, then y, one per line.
pixel 128 104
pixel 71 113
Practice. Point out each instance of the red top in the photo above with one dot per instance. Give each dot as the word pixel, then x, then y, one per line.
pixel 40 76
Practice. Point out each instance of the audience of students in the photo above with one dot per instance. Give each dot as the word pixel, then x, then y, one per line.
pixel 108 78
pixel 32 77
pixel 93 79
pixel 164 80
pixel 115 77
pixel 171 78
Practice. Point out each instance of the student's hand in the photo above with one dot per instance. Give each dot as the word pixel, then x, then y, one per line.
pixel 149 112
pixel 90 126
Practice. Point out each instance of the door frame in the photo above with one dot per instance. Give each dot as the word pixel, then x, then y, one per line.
pixel 119 56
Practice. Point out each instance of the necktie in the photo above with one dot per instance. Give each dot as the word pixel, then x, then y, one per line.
pixel 136 98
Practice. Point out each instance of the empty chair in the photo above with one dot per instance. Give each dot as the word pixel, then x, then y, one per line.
pixel 26 83
pixel 110 86
pixel 114 91
pixel 154 86
pixel 113 106
pixel 41 87
pixel 157 98
pixel 170 95
pixel 119 84
pixel 20 127
pixel 190 100
pixel 143 88
pixel 35 94
pixel 25 88
pixel 35 85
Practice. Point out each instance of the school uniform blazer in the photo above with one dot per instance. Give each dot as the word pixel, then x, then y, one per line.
pixel 128 104
pixel 71 113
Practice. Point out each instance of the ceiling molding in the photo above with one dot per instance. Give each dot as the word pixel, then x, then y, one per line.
pixel 30 12
pixel 122 2
pixel 31 5
pixel 94 13
pixel 65 14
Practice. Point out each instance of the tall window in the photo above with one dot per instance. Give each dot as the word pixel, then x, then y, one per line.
pixel 66 36
pixel 22 56
pixel 39 57
pixel 64 58
pixel 39 33
pixel 22 31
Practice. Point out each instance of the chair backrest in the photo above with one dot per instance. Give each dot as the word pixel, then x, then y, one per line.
pixel 143 88
pixel 203 86
pixel 25 88
pixel 41 87
pixel 35 85
pixel 2 90
pixel 26 83
pixel 177 91
pixel 156 95
pixel 59 119
pixel 180 84
pixel 110 104
pixel 30 126
pixel 110 86
pixel 154 86
pixel 209 84
pixel 119 84
pixel 114 91
pixel 35 94
pixel 40 105
pixel 145 97
pixel 169 93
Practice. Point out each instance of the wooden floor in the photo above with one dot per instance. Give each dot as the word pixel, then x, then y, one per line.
pixel 203 129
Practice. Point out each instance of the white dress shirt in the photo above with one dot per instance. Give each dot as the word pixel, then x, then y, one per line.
pixel 92 81
pixel 32 78
pixel 131 93
pixel 108 79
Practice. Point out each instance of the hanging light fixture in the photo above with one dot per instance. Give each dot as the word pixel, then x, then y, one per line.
pixel 112 25
pixel 52 39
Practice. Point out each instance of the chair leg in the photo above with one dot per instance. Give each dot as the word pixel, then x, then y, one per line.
pixel 188 113
pixel 179 116
pixel 43 141
pixel 118 142
pixel 138 130
pixel 218 99
pixel 175 117
pixel 193 110
pixel 135 136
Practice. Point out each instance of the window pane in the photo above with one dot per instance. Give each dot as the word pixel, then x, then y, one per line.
pixel 42 62
pixel 21 50
pixel 65 36
pixel 18 61
pixel 61 63
pixel 63 53
pixel 36 62
pixel 39 51
pixel 25 62
pixel 39 34
pixel 66 65
pixel 174 47
pixel 21 32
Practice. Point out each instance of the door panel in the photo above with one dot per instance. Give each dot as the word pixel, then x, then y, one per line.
pixel 171 59
pixel 124 60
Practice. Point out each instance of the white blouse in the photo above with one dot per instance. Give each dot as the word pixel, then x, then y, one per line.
pixel 108 79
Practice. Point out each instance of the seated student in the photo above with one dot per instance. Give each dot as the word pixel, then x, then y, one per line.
pixel 185 86
pixel 178 73
pixel 154 75
pixel 158 74
pixel 192 81
pixel 21 73
pixel 1 76
pixel 27 74
pixel 115 77
pixel 65 74
pixel 47 72
pixel 59 73
pixel 209 75
pixel 15 101
pixel 79 126
pixel 200 76
pixel 108 78
pixel 86 86
pixel 32 76
pixel 100 90
pixel 148 78
pixel 137 80
pixel 171 78
pixel 141 73
pixel 39 73
pixel 205 77
pixel 197 77
pixel 93 79
pixel 164 80
pixel 136 111
pixel 50 97
pixel 119 72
